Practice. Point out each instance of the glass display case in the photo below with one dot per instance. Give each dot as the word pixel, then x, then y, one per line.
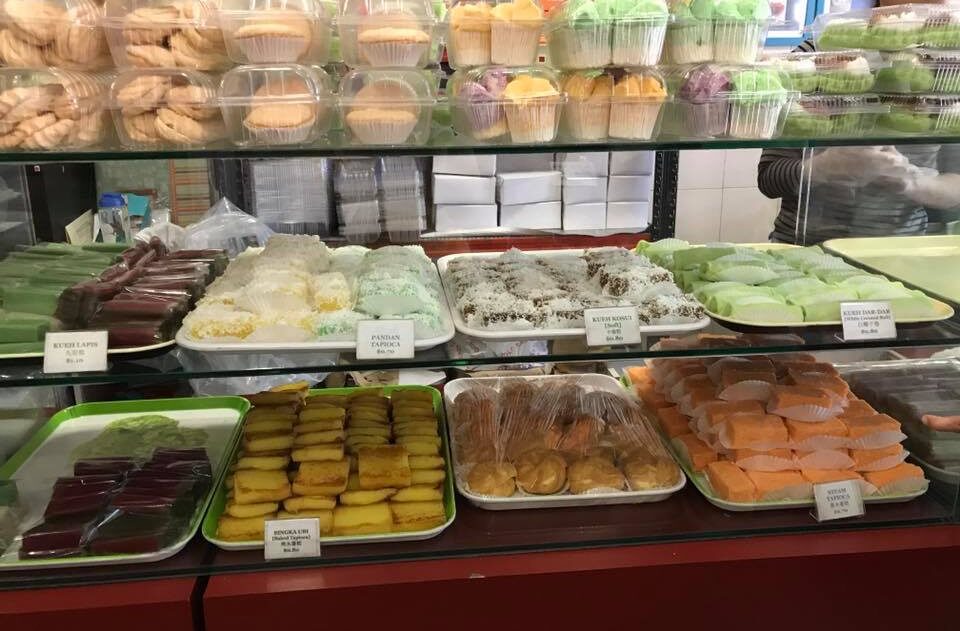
pixel 453 325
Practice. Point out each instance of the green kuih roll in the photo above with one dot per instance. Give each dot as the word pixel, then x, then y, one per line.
pixel 893 28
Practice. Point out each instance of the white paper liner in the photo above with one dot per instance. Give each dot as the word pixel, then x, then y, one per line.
pixel 737 41
pixel 638 42
pixel 906 486
pixel 679 389
pixel 794 492
pixel 808 413
pixel 686 406
pixel 681 449
pixel 469 48
pixel 383 132
pixel 581 48
pixel 634 121
pixel 754 120
pixel 882 464
pixel 513 44
pixel 273 48
pixel 749 390
pixel 690 42
pixel 876 440
pixel 715 370
pixel 587 120
pixel 532 122
pixel 764 462
pixel 281 135
pixel 830 459
pixel 817 443
pixel 393 54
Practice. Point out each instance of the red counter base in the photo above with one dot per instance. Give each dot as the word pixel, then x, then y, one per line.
pixel 160 605
pixel 878 579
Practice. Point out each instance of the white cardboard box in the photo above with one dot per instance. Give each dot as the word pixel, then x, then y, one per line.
pixel 518 162
pixel 450 217
pixel 630 188
pixel 591 164
pixel 540 216
pixel 584 216
pixel 481 165
pixel 632 162
pixel 463 189
pixel 529 187
pixel 584 190
pixel 628 215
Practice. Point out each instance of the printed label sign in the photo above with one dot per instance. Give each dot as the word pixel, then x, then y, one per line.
pixel 867 321
pixel 75 351
pixel 611 326
pixel 385 339
pixel 838 500
pixel 291 538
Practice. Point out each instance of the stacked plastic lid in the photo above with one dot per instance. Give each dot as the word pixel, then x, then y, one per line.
pixel 292 195
pixel 358 204
pixel 722 101
pixel 615 103
pixel 724 31
pixel 276 104
pixel 276 31
pixel 402 199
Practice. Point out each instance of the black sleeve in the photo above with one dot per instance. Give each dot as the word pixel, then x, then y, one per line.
pixel 779 172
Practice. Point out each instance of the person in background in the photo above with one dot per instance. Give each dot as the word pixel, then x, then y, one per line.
pixel 862 191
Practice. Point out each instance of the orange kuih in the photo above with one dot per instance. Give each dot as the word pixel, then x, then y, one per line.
pixel 650 397
pixel 902 471
pixel 820 476
pixel 790 396
pixel 730 483
pixel 857 408
pixel 780 484
pixel 866 425
pixel 830 383
pixel 716 412
pixel 867 457
pixel 802 430
pixel 696 452
pixel 672 421
pixel 748 431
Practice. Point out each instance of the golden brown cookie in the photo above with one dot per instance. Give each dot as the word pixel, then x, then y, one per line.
pixel 49 137
pixel 78 39
pixel 17 52
pixel 193 101
pixel 181 129
pixel 186 55
pixel 12 139
pixel 142 128
pixel 143 93
pixel 150 25
pixel 33 21
pixel 150 56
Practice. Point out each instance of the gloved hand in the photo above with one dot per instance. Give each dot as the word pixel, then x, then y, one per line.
pixel 942 423
pixel 941 191
pixel 858 166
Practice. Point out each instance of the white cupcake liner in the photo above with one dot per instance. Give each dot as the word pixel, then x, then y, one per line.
pixel 747 391
pixel 715 370
pixel 532 122
pixel 383 132
pixel 469 48
pixel 906 486
pixel 764 462
pixel 481 121
pixel 807 413
pixel 738 42
pixel 702 120
pixel 273 48
pixel 830 459
pixel 638 43
pixel 393 54
pixel 876 440
pixel 634 121
pixel 587 120
pixel 581 48
pixel 754 120
pixel 281 135
pixel 690 42
pixel 686 406
pixel 514 44
pixel 882 464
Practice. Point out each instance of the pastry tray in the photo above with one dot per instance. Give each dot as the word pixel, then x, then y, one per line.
pixel 219 502
pixel 419 344
pixel 127 350
pixel 521 500
pixel 538 334
pixel 47 456
pixel 929 263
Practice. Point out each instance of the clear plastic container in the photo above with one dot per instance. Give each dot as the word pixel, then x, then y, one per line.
pixel 921 114
pixel 468 34
pixel 387 107
pixel 689 37
pixel 834 72
pixel 276 31
pixel 738 41
pixel 622 104
pixel 827 115
pixel 522 105
pixel 941 28
pixel 897 27
pixel 165 107
pixel 586 34
pixel 61 33
pixel 501 32
pixel 924 71
pixel 158 34
pixel 53 109
pixel 278 104
pixel 386 33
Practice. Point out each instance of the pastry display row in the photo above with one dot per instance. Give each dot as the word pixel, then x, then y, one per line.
pixel 889 28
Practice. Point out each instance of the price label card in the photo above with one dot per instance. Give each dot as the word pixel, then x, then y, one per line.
pixel 867 321
pixel 612 326
pixel 291 538
pixel 838 500
pixel 385 339
pixel 75 351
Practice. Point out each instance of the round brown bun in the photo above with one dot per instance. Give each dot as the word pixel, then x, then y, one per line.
pixel 496 479
pixel 593 473
pixel 541 472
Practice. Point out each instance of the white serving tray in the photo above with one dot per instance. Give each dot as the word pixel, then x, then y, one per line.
pixel 521 500
pixel 537 334
pixel 419 344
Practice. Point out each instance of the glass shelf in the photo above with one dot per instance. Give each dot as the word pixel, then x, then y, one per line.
pixel 180 363
pixel 449 146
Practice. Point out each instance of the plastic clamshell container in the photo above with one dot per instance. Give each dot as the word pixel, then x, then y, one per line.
pixel 158 34
pixel 53 109
pixel 499 32
pixel 921 114
pixel 622 104
pixel 276 31
pixel 277 104
pixel 830 72
pixel 61 33
pixel 165 107
pixel 896 27
pixel 828 115
pixel 941 28
pixel 387 107
pixel 924 71
pixel 485 108
pixel 386 33
pixel 584 35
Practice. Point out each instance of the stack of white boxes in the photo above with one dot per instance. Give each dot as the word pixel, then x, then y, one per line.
pixel 584 190
pixel 630 190
pixel 529 191
pixel 464 192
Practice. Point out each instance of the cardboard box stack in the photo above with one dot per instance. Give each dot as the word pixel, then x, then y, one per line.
pixel 630 189
pixel 529 191
pixel 464 192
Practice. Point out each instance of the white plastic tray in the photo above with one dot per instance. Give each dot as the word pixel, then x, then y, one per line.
pixel 537 334
pixel 521 500
pixel 419 344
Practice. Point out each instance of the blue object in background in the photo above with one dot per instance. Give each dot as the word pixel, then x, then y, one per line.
pixel 139 208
